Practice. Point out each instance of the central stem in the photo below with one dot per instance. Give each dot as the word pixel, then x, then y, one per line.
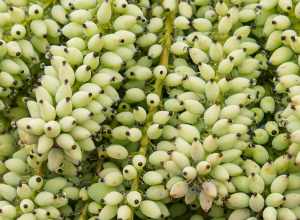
pixel 164 60
pixel 158 85
pixel 83 214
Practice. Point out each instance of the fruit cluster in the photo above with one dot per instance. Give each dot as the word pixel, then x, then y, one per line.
pixel 149 109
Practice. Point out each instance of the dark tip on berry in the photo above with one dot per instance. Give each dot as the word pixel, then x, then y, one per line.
pixel 258 6
pixel 127 133
pixel 140 164
pixel 293 107
pixel 274 132
pixel 231 58
pixel 74 147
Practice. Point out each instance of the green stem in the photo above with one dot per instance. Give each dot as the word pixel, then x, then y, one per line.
pixel 158 86
pixel 83 213
pixel 164 60
pixel 49 3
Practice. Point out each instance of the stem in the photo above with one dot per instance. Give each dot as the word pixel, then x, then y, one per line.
pixel 49 3
pixel 40 170
pixel 164 60
pixel 158 86
pixel 100 154
pixel 83 214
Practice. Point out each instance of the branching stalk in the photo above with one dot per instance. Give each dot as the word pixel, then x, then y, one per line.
pixel 158 86
pixel 83 213
pixel 164 60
